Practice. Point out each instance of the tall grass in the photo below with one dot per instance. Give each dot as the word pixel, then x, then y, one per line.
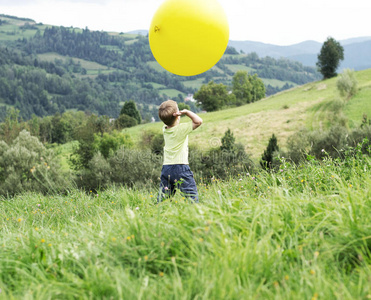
pixel 301 233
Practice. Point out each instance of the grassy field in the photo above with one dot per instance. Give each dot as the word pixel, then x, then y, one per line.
pixel 283 114
pixel 302 233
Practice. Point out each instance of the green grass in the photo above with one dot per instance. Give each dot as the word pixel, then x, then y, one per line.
pixel 303 233
pixel 157 85
pixel 236 68
pixel 360 104
pixel 277 83
pixel 196 84
pixel 156 66
pixel 88 65
pixel 172 93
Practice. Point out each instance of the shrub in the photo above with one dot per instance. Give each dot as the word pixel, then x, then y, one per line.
pixel 268 155
pixel 347 83
pixel 127 167
pixel 125 121
pixel 26 165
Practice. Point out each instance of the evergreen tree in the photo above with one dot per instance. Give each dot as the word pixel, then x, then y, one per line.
pixel 329 58
pixel 267 157
pixel 130 109
pixel 228 141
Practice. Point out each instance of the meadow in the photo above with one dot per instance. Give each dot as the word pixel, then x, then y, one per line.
pixel 308 106
pixel 301 233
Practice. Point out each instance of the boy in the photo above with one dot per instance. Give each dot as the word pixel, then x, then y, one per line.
pixel 175 170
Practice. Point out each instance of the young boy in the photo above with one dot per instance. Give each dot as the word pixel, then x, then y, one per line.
pixel 175 170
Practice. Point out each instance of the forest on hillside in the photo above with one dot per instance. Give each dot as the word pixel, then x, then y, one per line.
pixel 38 87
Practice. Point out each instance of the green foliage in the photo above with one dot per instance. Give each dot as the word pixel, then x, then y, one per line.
pixel 267 161
pixel 329 57
pixel 230 159
pixel 334 143
pixel 128 167
pixel 129 108
pixel 109 143
pixel 347 83
pixel 211 97
pixel 247 88
pixel 26 165
pixel 125 121
pixel 182 105
pixel 228 141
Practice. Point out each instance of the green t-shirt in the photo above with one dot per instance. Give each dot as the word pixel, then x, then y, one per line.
pixel 176 143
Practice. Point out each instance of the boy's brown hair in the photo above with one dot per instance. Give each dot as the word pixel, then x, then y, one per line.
pixel 166 111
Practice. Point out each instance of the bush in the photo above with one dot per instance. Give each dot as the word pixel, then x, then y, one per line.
pixel 125 121
pixel 26 165
pixel 126 167
pixel 347 83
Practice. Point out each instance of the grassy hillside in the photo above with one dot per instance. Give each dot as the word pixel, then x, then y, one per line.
pixel 282 114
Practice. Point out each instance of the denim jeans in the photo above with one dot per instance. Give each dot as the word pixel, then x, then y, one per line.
pixel 177 177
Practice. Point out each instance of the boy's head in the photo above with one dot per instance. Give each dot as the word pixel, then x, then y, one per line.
pixel 166 111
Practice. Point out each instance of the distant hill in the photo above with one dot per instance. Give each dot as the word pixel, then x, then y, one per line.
pixel 357 51
pixel 48 69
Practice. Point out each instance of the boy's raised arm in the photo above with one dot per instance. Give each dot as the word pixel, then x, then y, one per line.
pixel 196 120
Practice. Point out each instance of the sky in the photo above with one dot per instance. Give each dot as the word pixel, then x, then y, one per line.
pixel 279 22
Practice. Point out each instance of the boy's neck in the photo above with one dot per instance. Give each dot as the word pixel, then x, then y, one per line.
pixel 174 124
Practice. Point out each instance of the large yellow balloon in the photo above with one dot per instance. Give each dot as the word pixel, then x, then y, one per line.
pixel 188 37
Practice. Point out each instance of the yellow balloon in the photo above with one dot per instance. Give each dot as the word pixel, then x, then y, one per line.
pixel 188 37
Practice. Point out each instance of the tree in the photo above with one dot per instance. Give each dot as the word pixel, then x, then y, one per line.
pixel 131 110
pixel 329 58
pixel 267 157
pixel 247 88
pixel 125 121
pixel 212 96
pixel 182 106
pixel 228 141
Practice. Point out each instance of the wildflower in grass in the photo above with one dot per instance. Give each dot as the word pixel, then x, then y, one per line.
pixel 49 245
pixel 201 240
pixel 42 240
pixel 137 208
pixel 128 238
pixel 38 204
pixel 113 239
pixel 276 284
pixel 315 296
pixel 350 185
pixel 312 272
pixel 253 178
pixel 287 277
pixel 162 244
pixel 316 254
pixel 36 228
pixel 146 257
pixel 302 180
pixel 161 274
pixel 166 188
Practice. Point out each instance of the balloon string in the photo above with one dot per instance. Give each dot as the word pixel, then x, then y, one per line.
pixel 157 28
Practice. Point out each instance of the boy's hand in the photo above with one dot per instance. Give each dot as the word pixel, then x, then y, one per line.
pixel 196 120
pixel 180 113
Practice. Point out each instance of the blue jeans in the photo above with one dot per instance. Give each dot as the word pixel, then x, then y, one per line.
pixel 177 176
